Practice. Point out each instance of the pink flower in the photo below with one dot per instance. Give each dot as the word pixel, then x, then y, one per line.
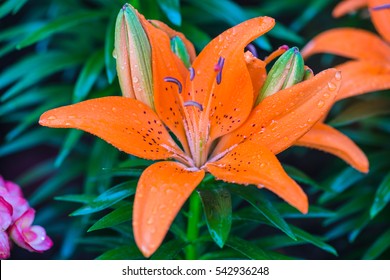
pixel 16 218
pixel 31 238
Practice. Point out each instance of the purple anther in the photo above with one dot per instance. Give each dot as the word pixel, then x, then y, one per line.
pixel 125 6
pixel 218 67
pixel 252 49
pixel 381 7
pixel 284 47
pixel 194 103
pixel 192 73
pixel 175 81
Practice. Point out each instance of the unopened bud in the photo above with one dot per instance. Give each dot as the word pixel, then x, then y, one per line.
pixel 133 57
pixel 287 71
pixel 179 48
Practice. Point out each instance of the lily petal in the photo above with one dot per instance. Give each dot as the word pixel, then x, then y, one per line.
pixel 282 118
pixel 162 190
pixel 5 247
pixel 380 18
pixel 257 71
pixel 328 139
pixel 363 76
pixel 125 123
pixel 227 100
pixel 172 33
pixel 348 6
pixel 250 163
pixel 165 63
pixel 349 42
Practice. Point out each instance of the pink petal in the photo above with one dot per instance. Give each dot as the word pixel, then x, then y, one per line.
pixel 5 214
pixel 4 244
pixel 42 242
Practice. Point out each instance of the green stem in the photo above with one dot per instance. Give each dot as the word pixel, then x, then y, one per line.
pixel 194 216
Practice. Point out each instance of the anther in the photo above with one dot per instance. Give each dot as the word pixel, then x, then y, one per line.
pixel 381 7
pixel 175 81
pixel 192 73
pixel 218 68
pixel 252 49
pixel 194 103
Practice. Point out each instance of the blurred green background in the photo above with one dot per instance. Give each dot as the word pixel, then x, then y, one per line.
pixel 59 52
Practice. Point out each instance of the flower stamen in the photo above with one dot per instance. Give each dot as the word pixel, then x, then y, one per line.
pixel 194 103
pixel 175 81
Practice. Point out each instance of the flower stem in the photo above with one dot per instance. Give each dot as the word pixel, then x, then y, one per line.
pixel 192 226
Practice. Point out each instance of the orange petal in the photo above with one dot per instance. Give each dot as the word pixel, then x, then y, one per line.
pixel 166 95
pixel 328 139
pixel 228 103
pixel 348 6
pixel 162 190
pixel 250 163
pixel 282 118
pixel 172 33
pixel 380 18
pixel 349 42
pixel 257 71
pixel 362 77
pixel 125 123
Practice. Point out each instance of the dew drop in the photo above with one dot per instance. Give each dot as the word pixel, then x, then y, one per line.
pixel 320 104
pixel 114 109
pixel 286 138
pixel 137 121
pixel 51 118
pixel 332 86
pixel 153 189
pixel 338 75
pixel 326 95
pixel 135 80
pixel 71 117
pixel 262 165
pixel 168 191
pixel 114 54
pixel 150 221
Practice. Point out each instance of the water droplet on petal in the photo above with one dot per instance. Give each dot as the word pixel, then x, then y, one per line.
pixel 332 86
pixel 326 95
pixel 338 75
pixel 150 221
pixel 67 123
pixel 51 118
pixel 320 104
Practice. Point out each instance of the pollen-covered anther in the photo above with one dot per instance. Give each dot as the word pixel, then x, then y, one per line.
pixel 175 81
pixel 218 68
pixel 194 103
pixel 252 49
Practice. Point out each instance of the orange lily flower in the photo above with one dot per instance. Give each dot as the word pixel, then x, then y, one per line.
pixel 379 11
pixel 368 71
pixel 211 103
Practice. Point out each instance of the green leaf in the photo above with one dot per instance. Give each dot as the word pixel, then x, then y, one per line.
pixel 43 65
pixel 128 252
pixel 361 110
pixel 54 183
pixel 312 10
pixel 108 198
pixel 108 50
pixel 61 24
pixel 381 244
pixel 88 76
pixel 314 240
pixel 169 250
pixel 382 197
pixel 264 206
pixel 79 198
pixel 287 211
pixel 171 8
pixel 118 216
pixel 71 140
pixel 217 205
pixel 247 248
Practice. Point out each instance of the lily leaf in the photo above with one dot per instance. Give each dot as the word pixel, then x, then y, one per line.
pixel 108 198
pixel 169 250
pixel 172 10
pixel 128 252
pixel 247 248
pixel 217 205
pixel 118 216
pixel 382 197
pixel 264 206
pixel 381 244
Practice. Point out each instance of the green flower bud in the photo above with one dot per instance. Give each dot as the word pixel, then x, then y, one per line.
pixel 287 71
pixel 133 57
pixel 179 48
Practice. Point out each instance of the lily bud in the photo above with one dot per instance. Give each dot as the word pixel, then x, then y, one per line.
pixel 133 57
pixel 179 48
pixel 308 73
pixel 287 71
